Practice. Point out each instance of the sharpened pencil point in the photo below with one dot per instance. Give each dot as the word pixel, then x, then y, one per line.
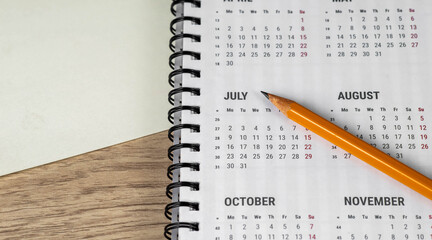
pixel 265 94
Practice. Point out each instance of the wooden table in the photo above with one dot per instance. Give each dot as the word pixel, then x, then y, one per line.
pixel 113 193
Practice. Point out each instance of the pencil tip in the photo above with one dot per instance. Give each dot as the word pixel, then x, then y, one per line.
pixel 265 94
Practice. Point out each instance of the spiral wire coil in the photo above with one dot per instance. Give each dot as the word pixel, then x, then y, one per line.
pixel 178 107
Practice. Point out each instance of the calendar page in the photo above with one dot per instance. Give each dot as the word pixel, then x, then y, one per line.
pixel 363 65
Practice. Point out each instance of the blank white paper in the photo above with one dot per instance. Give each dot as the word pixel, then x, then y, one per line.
pixel 77 76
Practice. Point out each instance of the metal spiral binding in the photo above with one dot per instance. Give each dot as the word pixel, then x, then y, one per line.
pixel 169 207
pixel 178 126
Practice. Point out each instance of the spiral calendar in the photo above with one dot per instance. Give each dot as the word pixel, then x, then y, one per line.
pixel 241 170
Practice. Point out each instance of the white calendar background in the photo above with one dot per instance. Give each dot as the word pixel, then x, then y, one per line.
pixel 365 65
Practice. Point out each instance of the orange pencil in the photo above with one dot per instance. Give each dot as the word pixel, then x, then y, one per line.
pixel 353 145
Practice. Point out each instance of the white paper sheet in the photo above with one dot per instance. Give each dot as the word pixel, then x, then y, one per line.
pixel 76 76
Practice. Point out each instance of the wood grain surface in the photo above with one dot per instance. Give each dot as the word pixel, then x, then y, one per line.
pixel 113 193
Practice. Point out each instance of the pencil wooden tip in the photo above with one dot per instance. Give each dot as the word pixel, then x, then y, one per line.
pixel 265 94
